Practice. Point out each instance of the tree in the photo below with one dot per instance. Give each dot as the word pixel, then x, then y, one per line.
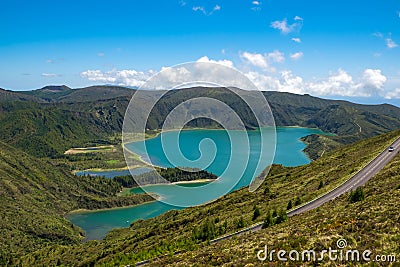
pixel 256 212
pixel 321 184
pixel 269 220
pixel 267 191
pixel 289 205
pixel 282 216
pixel 206 231
pixel 274 213
pixel 240 223
pixel 357 195
pixel 298 201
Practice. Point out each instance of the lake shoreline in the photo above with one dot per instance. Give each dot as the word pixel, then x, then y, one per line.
pixel 126 191
pixel 155 196
pixel 140 158
pixel 79 211
pixel 289 139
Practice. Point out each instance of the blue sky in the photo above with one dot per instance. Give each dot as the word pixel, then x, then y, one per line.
pixel 334 49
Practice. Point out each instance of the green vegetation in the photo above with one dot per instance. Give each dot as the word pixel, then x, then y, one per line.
pixel 34 197
pixel 48 130
pixel 163 176
pixel 372 224
pixel 357 195
pixel 47 122
pixel 256 213
pixel 37 193
pixel 173 231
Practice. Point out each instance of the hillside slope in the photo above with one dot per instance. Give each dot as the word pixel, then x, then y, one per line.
pixel 47 130
pixel 34 196
pixel 78 117
pixel 189 229
pixel 371 224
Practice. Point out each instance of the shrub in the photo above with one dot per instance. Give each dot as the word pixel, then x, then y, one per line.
pixel 357 195
pixel 289 205
pixel 256 212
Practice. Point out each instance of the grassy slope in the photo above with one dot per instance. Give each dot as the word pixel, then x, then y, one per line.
pixel 47 130
pixel 173 231
pixel 372 224
pixel 34 196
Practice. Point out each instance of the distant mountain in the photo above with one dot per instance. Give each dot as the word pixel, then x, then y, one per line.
pixel 87 94
pixel 64 117
pixel 6 95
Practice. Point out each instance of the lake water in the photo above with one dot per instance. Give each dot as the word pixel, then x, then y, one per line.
pixel 226 162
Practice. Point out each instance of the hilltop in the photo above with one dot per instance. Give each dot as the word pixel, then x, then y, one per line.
pixel 48 121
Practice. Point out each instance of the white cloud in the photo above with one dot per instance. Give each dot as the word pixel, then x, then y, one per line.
pixel 282 26
pixel 50 75
pixel 256 5
pixel 224 62
pixel 390 43
pixel 277 56
pixel 101 54
pixel 255 59
pixel 119 77
pixel 297 40
pixel 388 40
pixel 54 60
pixel 286 28
pixel 200 8
pixel 203 10
pixel 378 34
pixel 374 79
pixel 340 83
pixel 298 18
pixel 182 3
pixel 167 78
pixel 263 60
pixel 296 56
pixel 395 94
pixel 337 84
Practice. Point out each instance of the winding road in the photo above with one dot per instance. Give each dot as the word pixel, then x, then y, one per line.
pixel 359 179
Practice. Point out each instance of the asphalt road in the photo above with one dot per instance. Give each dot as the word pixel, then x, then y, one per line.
pixel 359 179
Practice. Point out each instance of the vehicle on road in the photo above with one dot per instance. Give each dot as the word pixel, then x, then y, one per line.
pixel 391 149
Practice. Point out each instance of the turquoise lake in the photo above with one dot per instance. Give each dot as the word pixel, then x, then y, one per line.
pixel 215 154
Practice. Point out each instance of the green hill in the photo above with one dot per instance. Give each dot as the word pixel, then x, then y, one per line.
pixel 372 222
pixel 7 95
pixel 88 94
pixel 86 116
pixel 47 130
pixel 34 197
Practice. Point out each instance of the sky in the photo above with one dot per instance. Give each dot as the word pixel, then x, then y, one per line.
pixel 331 49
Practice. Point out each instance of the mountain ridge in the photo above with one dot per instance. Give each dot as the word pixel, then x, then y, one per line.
pixel 98 112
